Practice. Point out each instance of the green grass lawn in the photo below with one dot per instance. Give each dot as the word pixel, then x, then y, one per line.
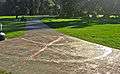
pixel 2 17
pixel 13 29
pixel 106 34
pixel 11 17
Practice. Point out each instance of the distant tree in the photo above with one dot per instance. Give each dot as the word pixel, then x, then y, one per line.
pixel 66 8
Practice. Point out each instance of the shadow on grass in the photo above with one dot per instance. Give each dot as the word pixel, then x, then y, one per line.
pixel 72 24
pixel 13 26
pixel 84 22
pixel 18 26
pixel 20 19
pixel 7 19
pixel 108 21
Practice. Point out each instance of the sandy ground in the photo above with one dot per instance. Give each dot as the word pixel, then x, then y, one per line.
pixel 44 51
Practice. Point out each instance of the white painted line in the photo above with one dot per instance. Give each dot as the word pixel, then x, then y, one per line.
pixel 33 41
pixel 35 54
pixel 106 53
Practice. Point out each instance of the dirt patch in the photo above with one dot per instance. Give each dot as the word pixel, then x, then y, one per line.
pixel 56 53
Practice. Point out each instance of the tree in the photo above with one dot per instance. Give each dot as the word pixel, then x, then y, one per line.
pixel 66 8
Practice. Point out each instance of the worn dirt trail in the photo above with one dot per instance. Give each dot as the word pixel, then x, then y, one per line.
pixel 44 51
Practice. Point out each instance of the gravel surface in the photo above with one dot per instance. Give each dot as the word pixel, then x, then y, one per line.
pixel 45 51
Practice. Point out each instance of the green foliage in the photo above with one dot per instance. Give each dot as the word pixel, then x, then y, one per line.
pixel 64 8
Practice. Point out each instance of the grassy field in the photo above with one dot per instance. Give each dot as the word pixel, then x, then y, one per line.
pixel 11 17
pixel 13 29
pixel 105 32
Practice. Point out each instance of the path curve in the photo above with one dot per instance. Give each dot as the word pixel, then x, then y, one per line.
pixel 44 51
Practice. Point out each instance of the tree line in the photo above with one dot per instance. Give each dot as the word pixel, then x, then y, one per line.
pixel 66 8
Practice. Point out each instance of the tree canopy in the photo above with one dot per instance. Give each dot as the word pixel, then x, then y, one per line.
pixel 60 7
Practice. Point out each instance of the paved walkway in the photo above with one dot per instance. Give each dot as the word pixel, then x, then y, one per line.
pixel 44 51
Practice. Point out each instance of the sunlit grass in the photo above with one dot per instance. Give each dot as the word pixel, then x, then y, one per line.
pixel 105 34
pixel 15 34
pixel 58 20
pixel 12 17
pixel 2 17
